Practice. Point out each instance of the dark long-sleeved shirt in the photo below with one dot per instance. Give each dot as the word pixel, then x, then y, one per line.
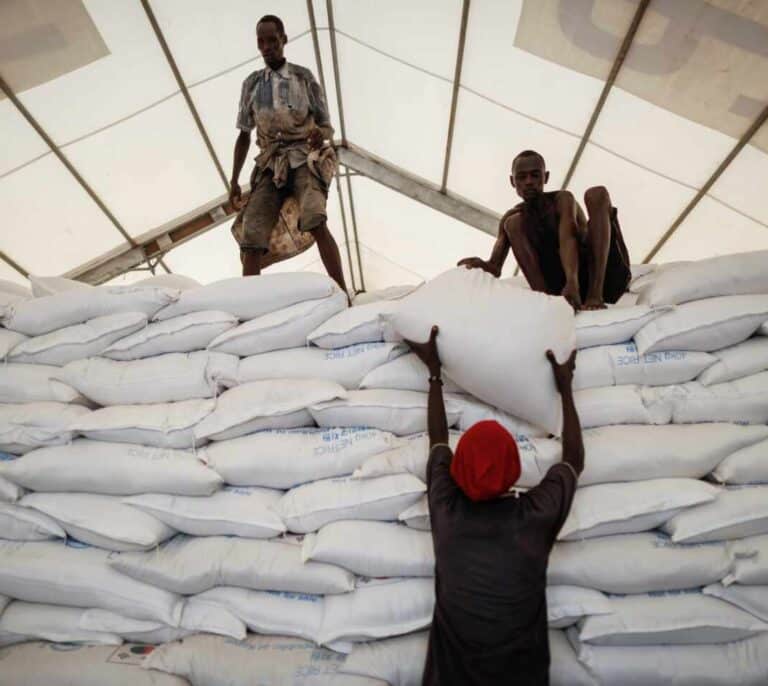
pixel 490 622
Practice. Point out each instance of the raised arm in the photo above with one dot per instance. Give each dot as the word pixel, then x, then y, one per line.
pixel 499 254
pixel 573 444
pixel 568 233
pixel 437 423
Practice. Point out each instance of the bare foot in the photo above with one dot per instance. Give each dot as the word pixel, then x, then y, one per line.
pixel 593 303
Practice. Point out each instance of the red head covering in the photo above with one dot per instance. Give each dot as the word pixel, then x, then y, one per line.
pixel 487 462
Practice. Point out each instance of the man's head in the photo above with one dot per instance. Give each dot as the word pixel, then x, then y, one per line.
pixel 271 39
pixel 486 463
pixel 529 174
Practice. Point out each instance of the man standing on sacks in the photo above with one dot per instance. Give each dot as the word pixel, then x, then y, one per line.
pixel 492 547
pixel 287 107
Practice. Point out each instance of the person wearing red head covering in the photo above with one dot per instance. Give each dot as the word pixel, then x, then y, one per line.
pixel 491 546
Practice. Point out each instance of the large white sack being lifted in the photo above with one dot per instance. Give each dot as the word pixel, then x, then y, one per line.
pixel 41 315
pixel 251 296
pixel 493 339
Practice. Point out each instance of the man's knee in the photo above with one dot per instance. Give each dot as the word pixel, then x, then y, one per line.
pixel 597 198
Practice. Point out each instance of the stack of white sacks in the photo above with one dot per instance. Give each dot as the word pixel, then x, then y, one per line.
pixel 236 471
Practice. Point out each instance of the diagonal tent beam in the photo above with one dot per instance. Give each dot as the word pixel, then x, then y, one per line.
pixel 745 138
pixel 418 189
pixel 319 61
pixel 11 95
pixel 455 94
pixel 344 142
pixel 157 242
pixel 13 264
pixel 184 90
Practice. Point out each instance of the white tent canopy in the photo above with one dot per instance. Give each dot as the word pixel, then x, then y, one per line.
pixel 118 126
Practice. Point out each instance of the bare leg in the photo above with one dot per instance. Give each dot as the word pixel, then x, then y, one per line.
pixel 598 204
pixel 251 260
pixel 330 255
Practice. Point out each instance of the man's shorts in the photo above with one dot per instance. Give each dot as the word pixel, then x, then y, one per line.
pixel 263 209
pixel 617 269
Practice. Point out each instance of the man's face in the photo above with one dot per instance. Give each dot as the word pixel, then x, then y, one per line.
pixel 529 176
pixel 271 43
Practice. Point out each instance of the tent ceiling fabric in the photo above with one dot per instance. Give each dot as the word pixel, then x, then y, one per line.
pixel 93 75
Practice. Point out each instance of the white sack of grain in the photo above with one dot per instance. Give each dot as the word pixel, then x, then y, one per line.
pixel 164 425
pixel 735 274
pixel 18 523
pixel 40 621
pixel 162 379
pixel 661 618
pixel 42 315
pixel 372 549
pixel 637 563
pixel 183 334
pixel 32 383
pixel 406 373
pixel 213 660
pixel 737 512
pixel 362 324
pixel 378 608
pixel 35 425
pixel 485 353
pixel 281 329
pixel 613 325
pixel 81 665
pixel 399 412
pixel 704 325
pixel 346 366
pixel 191 565
pixel 251 296
pixel 245 512
pixel 630 404
pixel 307 508
pixel 740 662
pixel 76 575
pixel 743 359
pixel 79 341
pixel 746 466
pixel 86 466
pixel 101 520
pixel 287 458
pixel 636 453
pixel 273 404
pixel 617 365
pixel 624 508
